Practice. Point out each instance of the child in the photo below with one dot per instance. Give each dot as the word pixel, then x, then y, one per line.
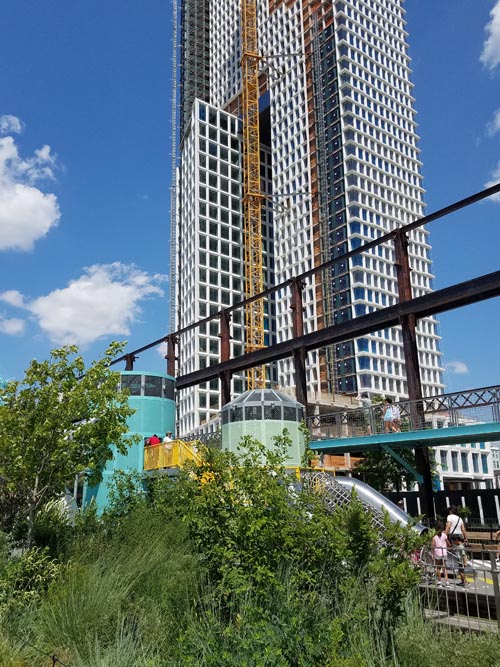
pixel 461 556
pixel 440 546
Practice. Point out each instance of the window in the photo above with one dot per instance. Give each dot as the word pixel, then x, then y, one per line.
pixel 132 383
pixel 444 460
pixel 475 463
pixel 152 385
pixel 484 463
pixel 454 461
pixel 465 462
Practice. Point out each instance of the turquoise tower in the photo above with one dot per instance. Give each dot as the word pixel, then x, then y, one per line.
pixel 152 398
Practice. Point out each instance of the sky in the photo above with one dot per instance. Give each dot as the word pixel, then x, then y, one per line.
pixel 85 168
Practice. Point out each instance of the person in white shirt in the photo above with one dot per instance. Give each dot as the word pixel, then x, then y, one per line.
pixel 455 526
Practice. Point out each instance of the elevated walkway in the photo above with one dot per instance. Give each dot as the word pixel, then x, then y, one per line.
pixel 446 419
pixel 433 437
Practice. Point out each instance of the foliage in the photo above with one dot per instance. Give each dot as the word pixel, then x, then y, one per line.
pixel 249 522
pixel 233 564
pixel 23 579
pixel 52 529
pixel 125 494
pixel 420 644
pixel 60 420
pixel 465 512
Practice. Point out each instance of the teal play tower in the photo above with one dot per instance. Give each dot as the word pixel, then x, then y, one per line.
pixel 264 414
pixel 152 398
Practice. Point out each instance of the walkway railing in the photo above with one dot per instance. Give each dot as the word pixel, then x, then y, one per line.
pixel 468 595
pixel 465 408
pixel 170 454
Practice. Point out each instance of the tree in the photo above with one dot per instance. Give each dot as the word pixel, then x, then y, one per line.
pixel 59 421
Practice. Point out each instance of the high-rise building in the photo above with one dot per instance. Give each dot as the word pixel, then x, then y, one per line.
pixel 339 167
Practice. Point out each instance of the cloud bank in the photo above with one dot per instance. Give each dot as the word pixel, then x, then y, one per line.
pixel 26 213
pixel 490 56
pixel 104 301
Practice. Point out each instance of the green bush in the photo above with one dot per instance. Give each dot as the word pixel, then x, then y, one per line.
pixel 52 528
pixel 25 578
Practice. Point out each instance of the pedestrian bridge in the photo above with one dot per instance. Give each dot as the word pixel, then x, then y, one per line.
pixel 447 419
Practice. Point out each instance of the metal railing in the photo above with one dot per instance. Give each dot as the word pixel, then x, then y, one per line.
pixel 465 408
pixel 171 454
pixel 464 594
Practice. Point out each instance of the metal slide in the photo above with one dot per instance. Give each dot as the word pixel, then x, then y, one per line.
pixel 339 491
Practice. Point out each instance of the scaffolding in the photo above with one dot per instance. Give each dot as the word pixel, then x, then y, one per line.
pixel 252 196
pixel 324 230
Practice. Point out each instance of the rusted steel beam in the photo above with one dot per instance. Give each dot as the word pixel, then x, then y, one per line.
pixel 225 355
pixel 129 361
pixel 449 298
pixel 299 355
pixel 170 356
pixel 412 369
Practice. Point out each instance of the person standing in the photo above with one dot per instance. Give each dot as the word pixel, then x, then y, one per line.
pixel 440 546
pixel 168 437
pixel 387 416
pixel 366 405
pixel 458 550
pixel 154 440
pixel 455 527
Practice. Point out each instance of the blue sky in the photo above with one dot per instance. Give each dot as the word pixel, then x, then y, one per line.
pixel 85 162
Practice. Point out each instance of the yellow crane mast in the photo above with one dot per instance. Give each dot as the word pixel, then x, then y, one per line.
pixel 252 196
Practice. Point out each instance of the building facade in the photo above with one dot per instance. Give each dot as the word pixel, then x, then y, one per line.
pixel 495 456
pixel 467 466
pixel 339 167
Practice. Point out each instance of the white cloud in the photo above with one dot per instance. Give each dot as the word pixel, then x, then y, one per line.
pixel 457 367
pixel 11 326
pixel 11 124
pixel 494 180
pixel 104 301
pixel 494 125
pixel 490 57
pixel 26 213
pixel 162 349
pixel 13 298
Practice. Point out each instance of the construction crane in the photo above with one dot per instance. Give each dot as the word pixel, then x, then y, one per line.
pixel 252 196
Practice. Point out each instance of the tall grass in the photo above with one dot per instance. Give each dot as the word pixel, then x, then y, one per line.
pixel 133 593
pixel 139 598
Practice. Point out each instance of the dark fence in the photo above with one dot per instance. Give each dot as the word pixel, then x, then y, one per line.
pixel 484 504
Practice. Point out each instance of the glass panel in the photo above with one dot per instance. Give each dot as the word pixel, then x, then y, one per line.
pixel 153 386
pixel 132 383
pixel 168 389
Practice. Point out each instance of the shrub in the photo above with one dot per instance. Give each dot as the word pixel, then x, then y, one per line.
pixel 25 578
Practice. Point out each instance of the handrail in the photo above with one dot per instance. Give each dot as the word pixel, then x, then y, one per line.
pixel 171 454
pixel 464 408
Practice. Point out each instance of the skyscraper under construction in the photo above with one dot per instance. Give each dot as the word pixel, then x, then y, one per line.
pixel 339 165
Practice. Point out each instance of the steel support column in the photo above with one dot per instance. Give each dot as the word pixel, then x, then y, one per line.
pixel 299 355
pixel 225 355
pixel 409 331
pixel 129 361
pixel 170 356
